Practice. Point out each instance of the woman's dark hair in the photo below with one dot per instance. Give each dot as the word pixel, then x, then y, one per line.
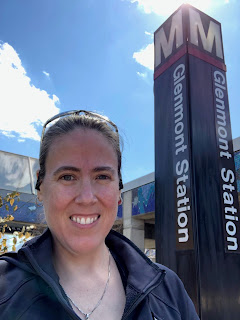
pixel 68 124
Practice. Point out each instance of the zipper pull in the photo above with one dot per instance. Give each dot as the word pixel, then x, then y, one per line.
pixel 154 318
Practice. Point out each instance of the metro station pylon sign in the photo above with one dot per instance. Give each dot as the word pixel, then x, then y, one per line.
pixel 196 211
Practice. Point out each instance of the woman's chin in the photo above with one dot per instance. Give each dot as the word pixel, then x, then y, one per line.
pixel 83 246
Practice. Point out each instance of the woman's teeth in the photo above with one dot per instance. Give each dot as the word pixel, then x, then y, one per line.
pixel 83 220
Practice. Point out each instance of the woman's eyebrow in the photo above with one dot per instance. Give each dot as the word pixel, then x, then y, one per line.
pixel 65 168
pixel 104 168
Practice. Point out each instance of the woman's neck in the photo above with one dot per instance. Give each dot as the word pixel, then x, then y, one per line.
pixel 68 265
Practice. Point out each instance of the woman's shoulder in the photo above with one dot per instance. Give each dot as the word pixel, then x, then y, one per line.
pixel 171 292
pixel 19 289
pixel 12 277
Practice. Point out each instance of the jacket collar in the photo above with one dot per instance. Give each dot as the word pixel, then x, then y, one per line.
pixel 38 253
pixel 141 271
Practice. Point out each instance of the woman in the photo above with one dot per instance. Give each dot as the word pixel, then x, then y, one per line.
pixel 79 268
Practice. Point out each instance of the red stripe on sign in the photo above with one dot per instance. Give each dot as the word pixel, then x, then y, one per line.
pixel 194 52
pixel 170 62
pixel 205 57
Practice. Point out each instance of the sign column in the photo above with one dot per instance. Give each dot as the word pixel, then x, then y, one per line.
pixel 196 210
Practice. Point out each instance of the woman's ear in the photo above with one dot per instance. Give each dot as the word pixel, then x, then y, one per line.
pixel 120 199
pixel 39 192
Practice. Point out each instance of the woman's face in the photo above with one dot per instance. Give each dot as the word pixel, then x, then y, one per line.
pixel 80 190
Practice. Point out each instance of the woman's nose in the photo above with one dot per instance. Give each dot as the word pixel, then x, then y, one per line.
pixel 86 192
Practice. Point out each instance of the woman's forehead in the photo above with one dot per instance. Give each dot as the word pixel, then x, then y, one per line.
pixel 80 134
pixel 82 145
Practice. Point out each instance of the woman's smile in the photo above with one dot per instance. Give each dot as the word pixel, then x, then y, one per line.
pixel 84 221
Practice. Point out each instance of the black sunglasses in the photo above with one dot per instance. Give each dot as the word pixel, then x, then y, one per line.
pixel 78 112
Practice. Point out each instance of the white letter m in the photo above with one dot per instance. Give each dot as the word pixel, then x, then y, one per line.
pixel 213 33
pixel 161 40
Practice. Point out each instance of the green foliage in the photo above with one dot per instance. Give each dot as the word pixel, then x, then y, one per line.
pixel 8 203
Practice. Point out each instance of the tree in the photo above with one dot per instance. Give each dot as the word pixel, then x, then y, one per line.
pixel 9 203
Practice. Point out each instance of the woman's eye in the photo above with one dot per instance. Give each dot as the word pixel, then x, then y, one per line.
pixel 103 177
pixel 67 177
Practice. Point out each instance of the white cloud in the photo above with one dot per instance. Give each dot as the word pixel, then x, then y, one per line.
pixel 46 74
pixel 166 8
pixel 8 134
pixel 161 8
pixel 149 34
pixel 145 56
pixel 142 74
pixel 23 106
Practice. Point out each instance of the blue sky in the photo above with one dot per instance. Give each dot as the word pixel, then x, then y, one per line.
pixel 60 55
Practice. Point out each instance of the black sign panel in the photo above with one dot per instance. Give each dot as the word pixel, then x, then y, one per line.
pixel 181 159
pixel 173 180
pixel 228 187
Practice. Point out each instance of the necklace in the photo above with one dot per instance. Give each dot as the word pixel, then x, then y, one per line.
pixel 87 315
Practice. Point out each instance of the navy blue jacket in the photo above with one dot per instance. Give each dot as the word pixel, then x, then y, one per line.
pixel 29 285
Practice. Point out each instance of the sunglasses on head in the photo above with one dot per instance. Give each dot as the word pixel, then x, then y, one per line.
pixel 78 112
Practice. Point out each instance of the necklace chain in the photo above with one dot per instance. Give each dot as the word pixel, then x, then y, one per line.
pixel 87 315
